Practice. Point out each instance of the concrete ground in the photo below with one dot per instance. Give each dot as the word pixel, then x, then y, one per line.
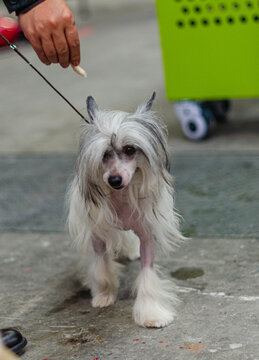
pixel 216 193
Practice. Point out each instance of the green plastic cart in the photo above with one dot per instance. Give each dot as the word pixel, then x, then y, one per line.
pixel 210 52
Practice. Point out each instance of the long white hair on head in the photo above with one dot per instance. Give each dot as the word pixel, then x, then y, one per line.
pixel 140 129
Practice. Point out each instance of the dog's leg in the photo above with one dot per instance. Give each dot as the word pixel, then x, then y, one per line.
pixel 102 275
pixel 129 245
pixel 155 297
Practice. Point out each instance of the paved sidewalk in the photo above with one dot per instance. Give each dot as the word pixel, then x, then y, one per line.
pixel 217 181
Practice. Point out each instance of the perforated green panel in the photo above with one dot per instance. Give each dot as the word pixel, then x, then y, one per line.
pixel 210 48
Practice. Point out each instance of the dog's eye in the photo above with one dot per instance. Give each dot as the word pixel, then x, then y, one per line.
pixel 129 150
pixel 107 155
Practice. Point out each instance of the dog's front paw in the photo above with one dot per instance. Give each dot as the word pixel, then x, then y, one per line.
pixel 154 305
pixel 154 323
pixel 103 300
pixel 153 316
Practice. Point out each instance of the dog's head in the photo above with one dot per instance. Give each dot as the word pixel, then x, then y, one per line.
pixel 117 148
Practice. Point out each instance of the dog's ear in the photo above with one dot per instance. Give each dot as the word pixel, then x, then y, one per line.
pixel 148 105
pixel 92 108
pixel 150 101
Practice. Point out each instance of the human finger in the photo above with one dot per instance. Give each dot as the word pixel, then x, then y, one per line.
pixel 74 44
pixel 49 49
pixel 37 46
pixel 62 48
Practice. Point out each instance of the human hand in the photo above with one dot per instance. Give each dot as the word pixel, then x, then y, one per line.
pixel 50 28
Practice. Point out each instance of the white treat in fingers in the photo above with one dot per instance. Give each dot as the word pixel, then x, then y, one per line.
pixel 80 71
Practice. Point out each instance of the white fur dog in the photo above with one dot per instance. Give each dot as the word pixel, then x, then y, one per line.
pixel 120 201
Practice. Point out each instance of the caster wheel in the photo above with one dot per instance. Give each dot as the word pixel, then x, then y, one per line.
pixel 219 108
pixel 197 122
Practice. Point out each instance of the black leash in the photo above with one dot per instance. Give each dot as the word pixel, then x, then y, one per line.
pixel 14 47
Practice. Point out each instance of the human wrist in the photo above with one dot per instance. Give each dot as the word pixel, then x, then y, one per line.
pixel 21 6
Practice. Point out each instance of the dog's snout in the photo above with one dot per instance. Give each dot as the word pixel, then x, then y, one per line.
pixel 115 181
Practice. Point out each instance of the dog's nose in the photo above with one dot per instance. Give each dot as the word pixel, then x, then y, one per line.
pixel 115 181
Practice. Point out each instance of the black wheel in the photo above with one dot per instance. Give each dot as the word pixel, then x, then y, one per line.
pixel 219 108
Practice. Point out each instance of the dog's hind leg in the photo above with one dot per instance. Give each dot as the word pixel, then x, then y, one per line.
pixel 129 245
pixel 102 275
pixel 155 297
